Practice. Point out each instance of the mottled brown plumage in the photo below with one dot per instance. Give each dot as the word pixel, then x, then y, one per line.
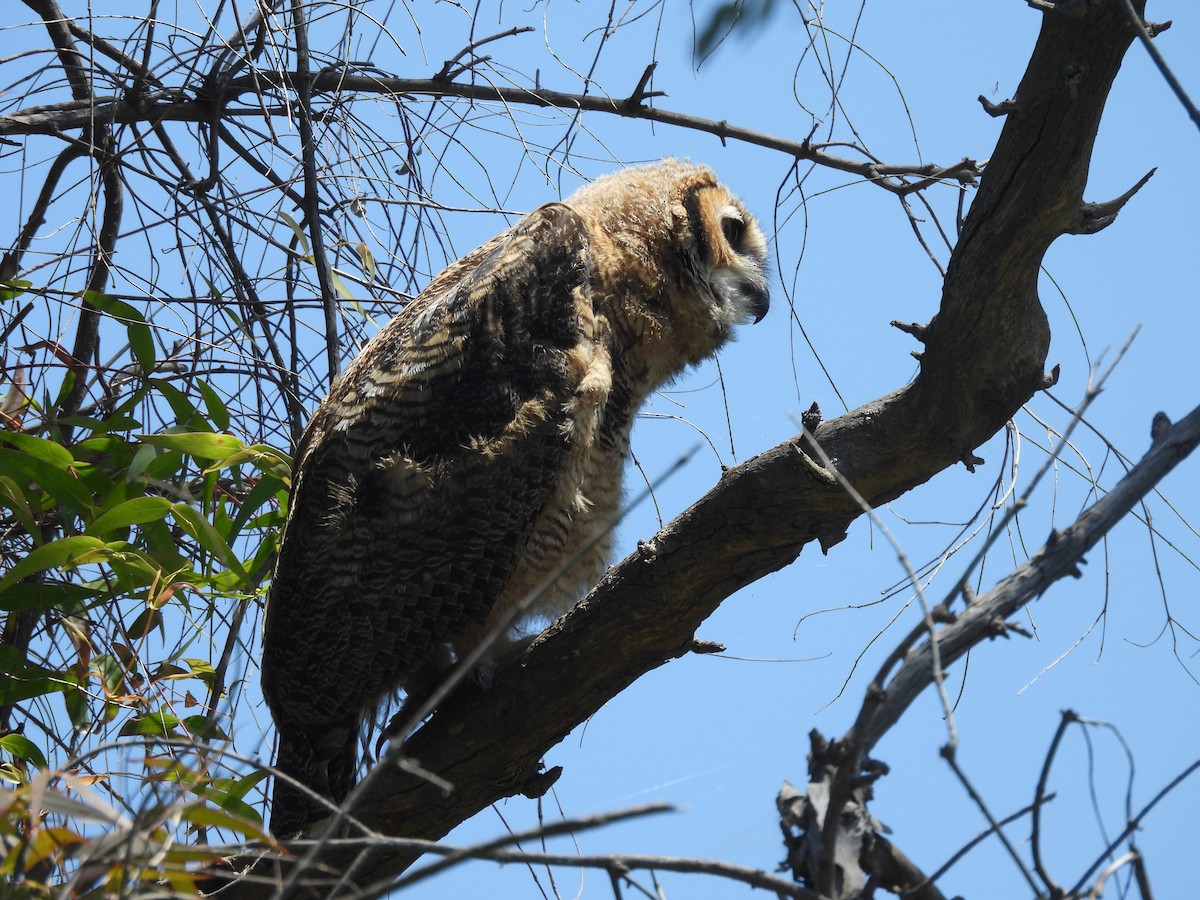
pixel 478 443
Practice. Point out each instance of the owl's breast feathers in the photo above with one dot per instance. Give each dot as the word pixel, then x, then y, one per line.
pixel 467 466
pixel 441 474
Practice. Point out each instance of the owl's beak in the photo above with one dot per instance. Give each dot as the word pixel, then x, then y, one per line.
pixel 758 302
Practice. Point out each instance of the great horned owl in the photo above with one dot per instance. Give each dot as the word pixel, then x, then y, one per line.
pixel 478 442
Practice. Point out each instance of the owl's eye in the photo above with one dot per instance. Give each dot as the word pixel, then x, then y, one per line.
pixel 733 229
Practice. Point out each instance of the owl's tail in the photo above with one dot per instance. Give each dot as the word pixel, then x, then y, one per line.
pixel 322 761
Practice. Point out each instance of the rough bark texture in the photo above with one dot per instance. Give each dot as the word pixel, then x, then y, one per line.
pixel 984 357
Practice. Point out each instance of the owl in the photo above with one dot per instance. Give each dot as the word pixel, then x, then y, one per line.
pixel 476 447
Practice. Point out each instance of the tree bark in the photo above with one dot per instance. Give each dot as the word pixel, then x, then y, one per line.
pixel 984 357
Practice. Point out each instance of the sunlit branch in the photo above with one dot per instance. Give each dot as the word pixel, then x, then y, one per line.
pixel 167 107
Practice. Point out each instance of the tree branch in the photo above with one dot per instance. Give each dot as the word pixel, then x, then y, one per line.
pixel 1058 558
pixel 97 142
pixel 168 106
pixel 312 203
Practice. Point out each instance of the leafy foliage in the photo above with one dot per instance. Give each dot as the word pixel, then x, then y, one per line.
pixel 127 557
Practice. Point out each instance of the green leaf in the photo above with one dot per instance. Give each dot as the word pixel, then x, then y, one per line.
pixel 134 567
pixel 14 498
pixel 64 553
pixel 204 727
pixel 168 671
pixel 367 259
pixel 158 724
pixel 11 290
pixel 131 512
pixel 203 670
pixel 240 820
pixel 76 702
pixel 13 775
pixel 23 748
pixel 265 458
pixel 268 486
pixel 48 451
pixel 197 444
pixel 301 237
pixel 195 524
pixel 145 455
pixel 141 342
pixel 222 789
pixel 339 285
pixel 111 671
pixel 212 402
pixel 62 486
pixel 146 621
pixel 21 680
pixel 230 793
pixel 35 595
pixel 108 425
pixel 186 414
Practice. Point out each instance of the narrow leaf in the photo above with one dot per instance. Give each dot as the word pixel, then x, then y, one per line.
pixel 213 403
pixel 131 512
pixel 40 448
pixel 63 553
pixel 141 342
pixel 195 524
pixel 301 237
pixel 197 444
pixel 23 748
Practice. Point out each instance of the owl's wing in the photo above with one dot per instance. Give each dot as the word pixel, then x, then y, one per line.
pixel 421 474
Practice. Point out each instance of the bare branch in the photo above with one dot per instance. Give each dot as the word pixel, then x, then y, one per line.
pixel 450 68
pixel 1058 558
pixel 1135 823
pixel 1039 799
pixel 312 207
pixel 97 142
pixel 52 119
pixel 1094 217
pixel 451 856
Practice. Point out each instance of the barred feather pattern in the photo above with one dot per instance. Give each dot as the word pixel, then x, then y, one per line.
pixel 478 442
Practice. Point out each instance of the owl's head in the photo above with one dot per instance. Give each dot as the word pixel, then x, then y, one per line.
pixel 678 260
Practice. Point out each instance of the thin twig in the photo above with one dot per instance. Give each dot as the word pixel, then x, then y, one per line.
pixel 1134 824
pixel 982 836
pixel 452 856
pixel 449 70
pixel 949 755
pixel 1139 26
pixel 1058 558
pixel 621 862
pixel 847 771
pixel 312 205
pixel 1068 717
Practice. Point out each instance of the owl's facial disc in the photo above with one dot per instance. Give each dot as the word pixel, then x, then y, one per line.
pixel 741 283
